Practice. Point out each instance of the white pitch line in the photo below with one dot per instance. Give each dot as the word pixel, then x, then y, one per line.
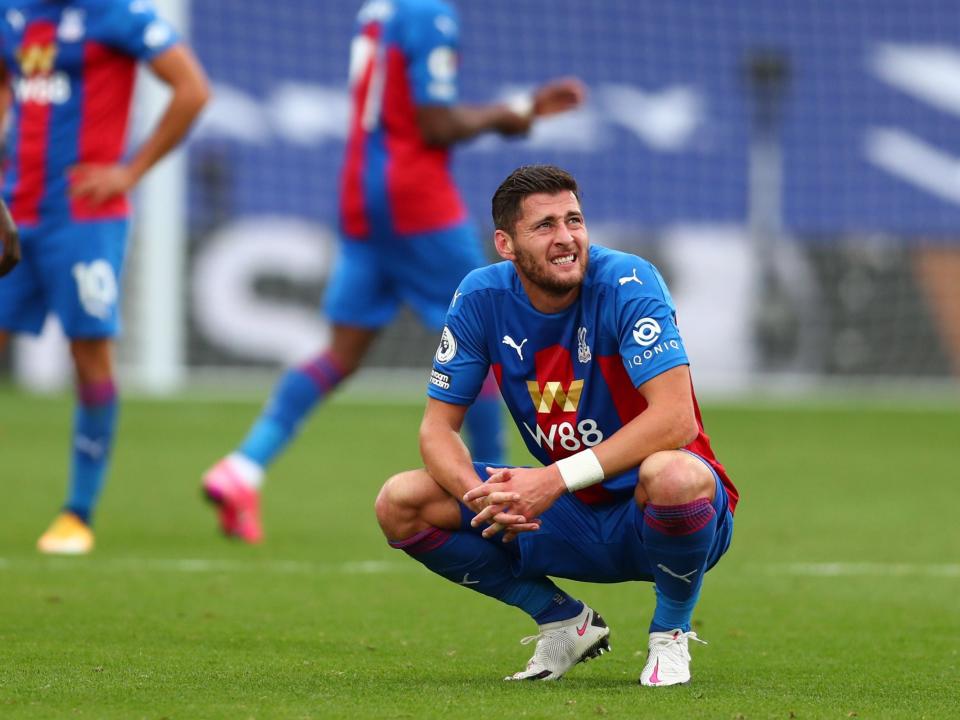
pixel 865 569
pixel 209 565
pixel 384 567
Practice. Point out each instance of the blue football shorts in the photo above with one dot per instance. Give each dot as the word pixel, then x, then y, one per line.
pixel 371 279
pixel 72 270
pixel 595 543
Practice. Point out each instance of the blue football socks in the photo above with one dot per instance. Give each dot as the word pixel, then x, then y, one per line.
pixel 677 539
pixel 94 426
pixel 297 392
pixel 467 559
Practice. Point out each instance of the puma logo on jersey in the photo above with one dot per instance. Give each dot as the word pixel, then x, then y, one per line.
pixel 631 278
pixel 507 340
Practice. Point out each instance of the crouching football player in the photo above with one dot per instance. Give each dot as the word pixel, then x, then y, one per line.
pixel 584 344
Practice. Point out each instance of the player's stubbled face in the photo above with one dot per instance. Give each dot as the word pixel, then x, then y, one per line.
pixel 551 242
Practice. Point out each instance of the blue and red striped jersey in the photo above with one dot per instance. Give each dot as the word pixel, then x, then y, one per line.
pixel 393 183
pixel 72 67
pixel 569 379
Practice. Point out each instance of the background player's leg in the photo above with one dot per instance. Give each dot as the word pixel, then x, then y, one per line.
pixel 300 389
pixel 484 424
pixel 234 482
pixel 95 422
pixel 427 274
pixel 359 301
pixel 94 427
pixel 80 265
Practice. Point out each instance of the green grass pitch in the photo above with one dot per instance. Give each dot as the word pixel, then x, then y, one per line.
pixel 839 598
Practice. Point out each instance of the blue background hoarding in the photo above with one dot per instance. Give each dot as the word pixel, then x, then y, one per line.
pixel 871 112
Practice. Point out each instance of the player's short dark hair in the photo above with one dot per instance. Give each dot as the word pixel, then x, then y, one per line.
pixel 524 181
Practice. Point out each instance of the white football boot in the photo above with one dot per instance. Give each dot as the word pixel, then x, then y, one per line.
pixel 563 644
pixel 668 658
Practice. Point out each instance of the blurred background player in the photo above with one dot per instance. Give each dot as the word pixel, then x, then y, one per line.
pixel 71 67
pixel 404 230
pixel 9 240
pixel 586 349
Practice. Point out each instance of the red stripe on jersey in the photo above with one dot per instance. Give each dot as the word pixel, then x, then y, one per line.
pixel 33 131
pixel 107 91
pixel 498 374
pixel 353 210
pixel 554 365
pixel 701 446
pixel 630 403
pixel 420 190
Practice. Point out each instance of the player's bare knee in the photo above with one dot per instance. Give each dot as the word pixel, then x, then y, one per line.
pixel 93 359
pixel 389 505
pixel 401 503
pixel 673 477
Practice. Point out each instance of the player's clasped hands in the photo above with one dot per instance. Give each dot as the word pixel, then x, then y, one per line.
pixel 512 500
pixel 492 502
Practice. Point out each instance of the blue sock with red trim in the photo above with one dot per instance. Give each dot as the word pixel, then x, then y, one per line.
pixel 94 427
pixel 677 540
pixel 467 559
pixel 296 394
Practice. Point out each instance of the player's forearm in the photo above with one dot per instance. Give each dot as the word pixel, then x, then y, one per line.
pixel 6 100
pixel 655 429
pixel 448 126
pixel 447 459
pixel 186 103
pixel 9 241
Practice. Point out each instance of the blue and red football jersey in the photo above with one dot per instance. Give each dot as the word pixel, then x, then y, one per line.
pixel 569 378
pixel 72 65
pixel 393 183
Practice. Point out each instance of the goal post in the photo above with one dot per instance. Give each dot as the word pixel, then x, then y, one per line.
pixel 157 355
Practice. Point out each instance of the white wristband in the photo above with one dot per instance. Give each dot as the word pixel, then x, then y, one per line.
pixel 521 105
pixel 580 470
